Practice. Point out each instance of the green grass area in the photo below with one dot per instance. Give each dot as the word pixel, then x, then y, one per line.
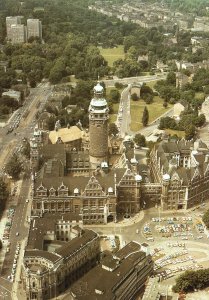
pixel 155 109
pixel 179 133
pixel 112 54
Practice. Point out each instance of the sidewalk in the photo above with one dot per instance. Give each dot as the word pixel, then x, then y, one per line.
pixel 17 289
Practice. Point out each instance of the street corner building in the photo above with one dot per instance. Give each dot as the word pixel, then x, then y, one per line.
pixel 50 264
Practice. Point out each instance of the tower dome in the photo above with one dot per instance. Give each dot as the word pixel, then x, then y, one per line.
pixel 98 89
pixel 166 177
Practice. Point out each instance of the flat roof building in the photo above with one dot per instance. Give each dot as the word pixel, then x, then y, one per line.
pixel 9 22
pixel 17 34
pixel 34 28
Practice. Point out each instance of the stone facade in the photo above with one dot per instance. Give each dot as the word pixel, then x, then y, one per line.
pixel 98 128
pixel 46 274
pixel 90 197
pixel 182 169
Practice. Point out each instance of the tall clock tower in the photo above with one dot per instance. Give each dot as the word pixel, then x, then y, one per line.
pixel 98 128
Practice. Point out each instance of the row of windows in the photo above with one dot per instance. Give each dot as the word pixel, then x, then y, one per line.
pixel 93 217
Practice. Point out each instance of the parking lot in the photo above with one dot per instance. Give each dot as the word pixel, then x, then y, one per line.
pixel 178 242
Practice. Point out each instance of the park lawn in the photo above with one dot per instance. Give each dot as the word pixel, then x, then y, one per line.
pixel 179 133
pixel 155 110
pixel 112 54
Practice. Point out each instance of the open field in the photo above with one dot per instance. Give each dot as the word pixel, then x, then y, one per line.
pixel 155 109
pixel 179 133
pixel 112 54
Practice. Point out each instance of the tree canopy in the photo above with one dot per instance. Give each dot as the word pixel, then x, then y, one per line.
pixel 191 280
pixel 4 193
pixel 145 117
pixel 205 218
pixel 14 167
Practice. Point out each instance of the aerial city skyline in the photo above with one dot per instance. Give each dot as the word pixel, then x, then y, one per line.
pixel 104 153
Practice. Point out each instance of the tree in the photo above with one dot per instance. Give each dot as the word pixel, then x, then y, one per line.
pixel 171 78
pixel 148 98
pixel 113 129
pixel 140 140
pixel 134 97
pixel 190 132
pixel 191 280
pixel 26 149
pixel 165 104
pixel 114 96
pixel 14 167
pixel 167 122
pixel 145 117
pixel 51 122
pixel 205 218
pixel 200 120
pixel 4 193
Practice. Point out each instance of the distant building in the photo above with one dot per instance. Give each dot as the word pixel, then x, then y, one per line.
pixel 181 80
pixel 4 65
pixel 9 22
pixel 161 66
pixel 136 88
pixel 34 28
pixel 13 94
pixel 178 108
pixel 201 24
pixel 205 109
pixel 18 34
pixel 118 276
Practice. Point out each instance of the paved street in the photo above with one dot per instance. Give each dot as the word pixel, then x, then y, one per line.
pixel 128 80
pixel 19 226
pixel 22 123
pixel 22 126
pixel 124 117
